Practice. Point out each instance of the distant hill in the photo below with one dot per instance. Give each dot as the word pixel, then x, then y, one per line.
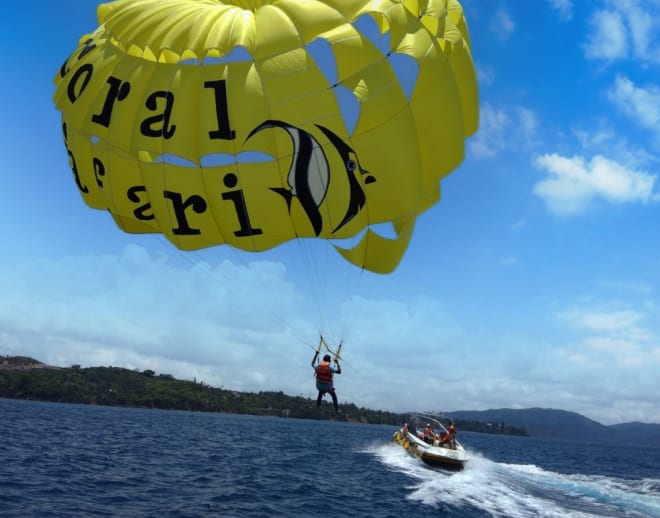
pixel 20 362
pixel 26 378
pixel 639 432
pixel 561 424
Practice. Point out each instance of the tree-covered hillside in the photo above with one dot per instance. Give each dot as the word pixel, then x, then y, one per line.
pixel 25 378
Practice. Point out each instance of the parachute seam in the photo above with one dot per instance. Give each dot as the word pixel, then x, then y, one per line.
pixel 218 223
pixel 164 176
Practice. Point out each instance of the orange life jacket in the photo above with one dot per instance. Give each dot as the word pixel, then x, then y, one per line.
pixel 323 372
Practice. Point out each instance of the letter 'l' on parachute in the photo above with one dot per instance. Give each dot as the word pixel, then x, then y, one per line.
pixel 253 122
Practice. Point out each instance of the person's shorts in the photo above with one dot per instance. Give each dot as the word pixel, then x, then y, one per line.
pixel 324 387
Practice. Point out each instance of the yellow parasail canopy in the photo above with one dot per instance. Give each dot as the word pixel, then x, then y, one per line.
pixel 254 122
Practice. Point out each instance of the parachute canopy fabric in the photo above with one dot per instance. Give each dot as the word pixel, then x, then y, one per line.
pixel 254 122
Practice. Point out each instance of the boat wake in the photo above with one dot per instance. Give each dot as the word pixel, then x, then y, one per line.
pixel 501 489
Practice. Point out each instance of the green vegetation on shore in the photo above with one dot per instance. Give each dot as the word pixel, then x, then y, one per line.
pixel 25 378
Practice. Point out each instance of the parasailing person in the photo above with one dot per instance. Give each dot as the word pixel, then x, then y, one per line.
pixel 324 373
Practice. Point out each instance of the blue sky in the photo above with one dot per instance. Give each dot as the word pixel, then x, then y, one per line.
pixel 534 282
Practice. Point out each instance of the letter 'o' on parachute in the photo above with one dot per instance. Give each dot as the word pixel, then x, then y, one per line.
pixel 253 122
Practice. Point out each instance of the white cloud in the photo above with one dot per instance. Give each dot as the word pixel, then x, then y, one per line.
pixel 595 139
pixel 573 183
pixel 618 345
pixel 613 345
pixel 139 310
pixel 608 39
pixel 244 327
pixel 625 29
pixel 250 327
pixel 502 25
pixel 617 332
pixel 489 140
pixel 527 124
pixel 603 320
pixel 485 75
pixel 625 148
pixel 565 8
pixel 642 28
pixel 499 130
pixel 642 105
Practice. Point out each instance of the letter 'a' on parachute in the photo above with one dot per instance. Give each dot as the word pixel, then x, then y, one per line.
pixel 254 122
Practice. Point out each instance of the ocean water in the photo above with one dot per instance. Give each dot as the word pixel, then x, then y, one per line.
pixel 61 460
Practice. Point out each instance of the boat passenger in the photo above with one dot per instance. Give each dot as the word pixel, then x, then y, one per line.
pixel 324 373
pixel 452 435
pixel 428 434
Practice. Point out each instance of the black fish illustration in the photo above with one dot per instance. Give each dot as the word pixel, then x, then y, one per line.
pixel 309 174
pixel 357 196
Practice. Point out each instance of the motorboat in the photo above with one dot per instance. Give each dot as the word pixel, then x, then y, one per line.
pixel 426 437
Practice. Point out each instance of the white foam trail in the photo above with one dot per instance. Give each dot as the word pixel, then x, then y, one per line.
pixel 522 490
pixel 636 496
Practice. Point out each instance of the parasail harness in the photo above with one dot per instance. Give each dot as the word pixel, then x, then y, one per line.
pixel 336 355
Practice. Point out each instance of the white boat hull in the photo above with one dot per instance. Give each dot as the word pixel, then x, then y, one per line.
pixel 448 455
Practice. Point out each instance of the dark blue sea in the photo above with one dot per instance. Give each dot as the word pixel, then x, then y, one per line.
pixel 61 460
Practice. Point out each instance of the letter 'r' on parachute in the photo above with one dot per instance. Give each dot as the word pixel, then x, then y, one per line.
pixel 253 122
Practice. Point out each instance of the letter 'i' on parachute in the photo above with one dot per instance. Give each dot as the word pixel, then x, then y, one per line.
pixel 254 122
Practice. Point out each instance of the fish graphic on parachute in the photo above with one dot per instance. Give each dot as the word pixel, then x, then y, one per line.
pixel 309 173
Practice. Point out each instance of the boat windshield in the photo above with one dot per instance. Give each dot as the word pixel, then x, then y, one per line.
pixel 418 424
